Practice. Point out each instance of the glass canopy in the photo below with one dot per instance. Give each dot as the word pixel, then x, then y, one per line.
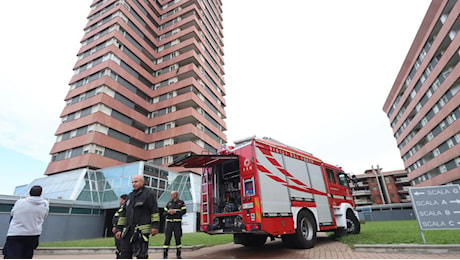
pixel 103 187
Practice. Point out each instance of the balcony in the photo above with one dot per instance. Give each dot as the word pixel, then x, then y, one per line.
pixel 404 190
pixel 362 202
pixel 361 192
pixel 402 180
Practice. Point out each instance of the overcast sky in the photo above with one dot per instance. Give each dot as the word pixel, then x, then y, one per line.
pixel 311 74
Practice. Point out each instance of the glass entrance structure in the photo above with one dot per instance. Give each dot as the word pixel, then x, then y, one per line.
pixel 102 188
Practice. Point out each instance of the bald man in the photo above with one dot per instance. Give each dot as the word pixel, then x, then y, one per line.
pixel 138 220
pixel 174 211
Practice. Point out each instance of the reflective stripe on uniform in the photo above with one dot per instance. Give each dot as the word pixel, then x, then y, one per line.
pixel 174 220
pixel 155 217
pixel 121 221
pixel 145 229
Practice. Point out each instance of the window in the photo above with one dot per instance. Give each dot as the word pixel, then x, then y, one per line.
pixel 442 125
pixel 424 121
pixel 430 136
pixel 81 211
pixel 59 210
pixel 330 175
pixel 457 138
pixel 451 118
pixel 442 168
pixel 6 207
pixel 436 109
pixel 342 178
pixel 167 159
pixel 457 161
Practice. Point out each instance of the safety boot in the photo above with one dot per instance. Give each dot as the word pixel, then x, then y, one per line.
pixel 178 251
pixel 165 253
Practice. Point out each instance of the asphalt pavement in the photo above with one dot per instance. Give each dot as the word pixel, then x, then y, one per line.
pixel 326 248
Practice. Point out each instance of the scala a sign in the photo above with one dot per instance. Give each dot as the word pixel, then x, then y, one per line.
pixel 437 207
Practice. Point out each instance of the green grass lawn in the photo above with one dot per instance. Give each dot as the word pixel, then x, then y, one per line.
pixel 399 232
pixel 376 232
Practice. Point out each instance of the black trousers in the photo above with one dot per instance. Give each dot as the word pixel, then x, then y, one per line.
pixel 133 244
pixel 20 247
pixel 118 246
pixel 171 227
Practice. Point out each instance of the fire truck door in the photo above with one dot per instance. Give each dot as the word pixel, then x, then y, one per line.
pixel 274 195
pixel 321 200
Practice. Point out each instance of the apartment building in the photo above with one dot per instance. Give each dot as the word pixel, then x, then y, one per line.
pixel 148 85
pixel 423 106
pixel 377 187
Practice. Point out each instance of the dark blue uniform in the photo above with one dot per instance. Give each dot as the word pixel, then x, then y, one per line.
pixel 174 224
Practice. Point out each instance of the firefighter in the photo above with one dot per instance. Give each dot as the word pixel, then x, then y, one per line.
pixel 139 219
pixel 174 211
pixel 115 218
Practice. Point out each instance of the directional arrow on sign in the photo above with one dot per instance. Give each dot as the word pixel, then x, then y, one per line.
pixel 418 193
pixel 455 201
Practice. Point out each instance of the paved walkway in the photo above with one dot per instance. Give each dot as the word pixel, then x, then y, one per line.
pixel 325 248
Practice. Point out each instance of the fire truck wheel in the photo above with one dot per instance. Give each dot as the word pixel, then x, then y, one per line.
pixel 249 240
pixel 305 235
pixel 353 225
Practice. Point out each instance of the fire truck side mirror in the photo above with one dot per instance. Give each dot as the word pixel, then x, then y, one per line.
pixel 355 180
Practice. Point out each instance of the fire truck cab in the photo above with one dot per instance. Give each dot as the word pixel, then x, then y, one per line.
pixel 262 188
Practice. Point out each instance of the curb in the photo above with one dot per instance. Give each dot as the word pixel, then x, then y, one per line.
pixel 408 248
pixel 99 250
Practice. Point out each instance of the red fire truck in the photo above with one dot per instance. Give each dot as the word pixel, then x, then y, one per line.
pixel 262 188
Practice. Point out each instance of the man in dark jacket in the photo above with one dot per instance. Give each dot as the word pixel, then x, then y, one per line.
pixel 174 211
pixel 138 220
pixel 115 218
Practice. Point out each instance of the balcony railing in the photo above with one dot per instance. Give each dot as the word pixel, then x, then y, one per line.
pixel 363 202
pixel 361 192
pixel 402 180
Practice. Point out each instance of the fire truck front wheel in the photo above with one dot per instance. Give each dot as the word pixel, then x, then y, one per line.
pixel 353 225
pixel 305 235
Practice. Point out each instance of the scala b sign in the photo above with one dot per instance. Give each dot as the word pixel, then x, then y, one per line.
pixel 437 207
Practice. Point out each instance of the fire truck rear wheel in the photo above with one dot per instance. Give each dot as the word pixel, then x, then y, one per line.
pixel 305 235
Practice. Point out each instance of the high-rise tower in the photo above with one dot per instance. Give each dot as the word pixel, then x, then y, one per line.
pixel 424 104
pixel 148 85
